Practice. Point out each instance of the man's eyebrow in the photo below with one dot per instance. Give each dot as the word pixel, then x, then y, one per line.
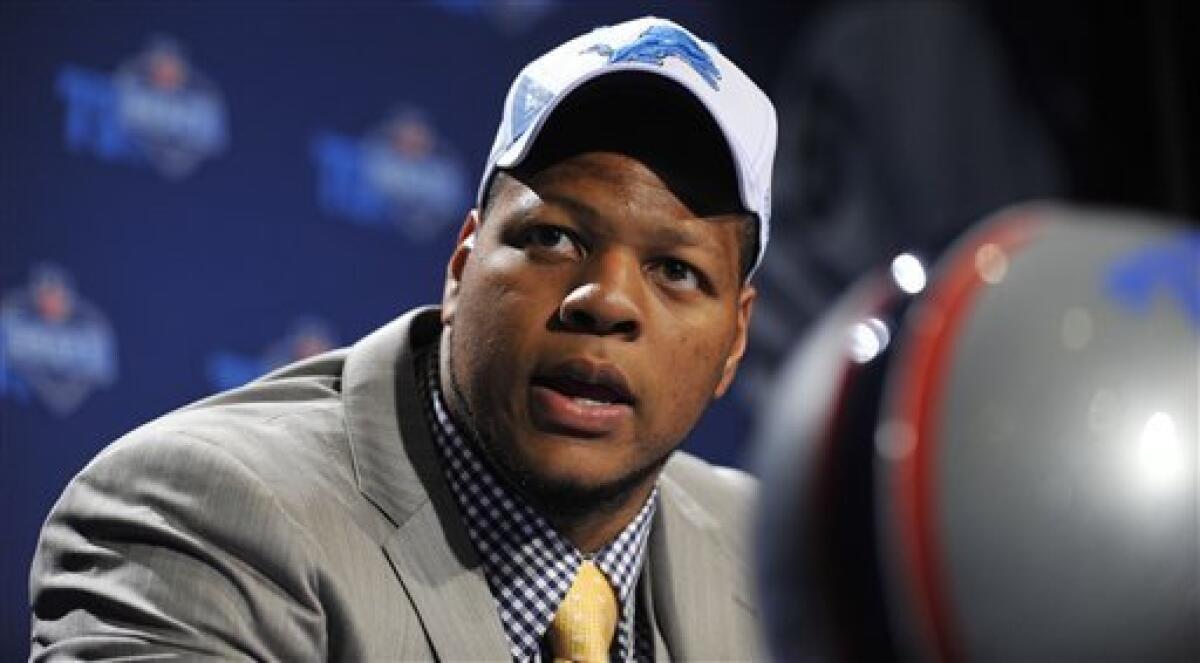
pixel 669 233
pixel 576 208
pixel 680 233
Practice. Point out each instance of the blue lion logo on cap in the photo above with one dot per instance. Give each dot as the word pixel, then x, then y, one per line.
pixel 659 43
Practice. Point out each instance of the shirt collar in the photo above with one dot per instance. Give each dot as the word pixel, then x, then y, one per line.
pixel 528 564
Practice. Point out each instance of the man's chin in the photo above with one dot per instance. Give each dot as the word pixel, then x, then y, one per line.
pixel 568 491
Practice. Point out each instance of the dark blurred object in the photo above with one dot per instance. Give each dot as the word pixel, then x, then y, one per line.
pixel 1001 464
pixel 902 123
pixel 1119 85
pixel 905 125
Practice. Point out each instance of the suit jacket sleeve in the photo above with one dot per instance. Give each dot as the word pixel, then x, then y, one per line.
pixel 168 546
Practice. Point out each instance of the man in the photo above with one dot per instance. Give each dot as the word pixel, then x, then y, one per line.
pixel 476 481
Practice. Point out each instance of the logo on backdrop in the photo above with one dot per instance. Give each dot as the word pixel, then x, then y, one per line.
pixel 157 109
pixel 305 338
pixel 400 174
pixel 54 345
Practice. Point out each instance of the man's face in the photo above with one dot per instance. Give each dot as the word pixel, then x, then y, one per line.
pixel 591 322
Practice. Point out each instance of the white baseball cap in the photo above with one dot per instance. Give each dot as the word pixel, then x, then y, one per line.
pixel 742 112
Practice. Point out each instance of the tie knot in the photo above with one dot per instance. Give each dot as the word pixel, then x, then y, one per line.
pixel 583 627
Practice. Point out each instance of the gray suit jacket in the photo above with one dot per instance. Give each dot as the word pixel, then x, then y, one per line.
pixel 305 517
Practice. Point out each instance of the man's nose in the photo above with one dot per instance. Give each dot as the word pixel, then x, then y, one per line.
pixel 606 301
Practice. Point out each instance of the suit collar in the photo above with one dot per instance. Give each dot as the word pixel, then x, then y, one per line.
pixel 389 446
pixel 396 468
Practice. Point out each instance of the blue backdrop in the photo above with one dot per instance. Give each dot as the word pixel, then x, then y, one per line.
pixel 191 194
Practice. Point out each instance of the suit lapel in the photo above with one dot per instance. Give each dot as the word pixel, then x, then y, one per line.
pixel 397 469
pixel 450 593
pixel 700 606
pixel 646 595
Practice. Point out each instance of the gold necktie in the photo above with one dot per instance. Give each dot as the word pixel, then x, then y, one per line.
pixel 583 627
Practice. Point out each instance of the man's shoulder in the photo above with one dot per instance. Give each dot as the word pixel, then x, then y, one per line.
pixel 311 437
pixel 707 511
pixel 279 429
pixel 724 494
pixel 251 494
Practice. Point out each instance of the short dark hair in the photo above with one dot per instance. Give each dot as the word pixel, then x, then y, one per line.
pixel 658 122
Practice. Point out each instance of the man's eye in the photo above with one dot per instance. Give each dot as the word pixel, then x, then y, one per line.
pixel 679 274
pixel 549 238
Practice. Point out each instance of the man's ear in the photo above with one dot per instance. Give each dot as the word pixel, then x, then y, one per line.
pixel 738 347
pixel 457 264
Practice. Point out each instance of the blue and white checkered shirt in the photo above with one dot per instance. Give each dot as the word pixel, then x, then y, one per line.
pixel 528 564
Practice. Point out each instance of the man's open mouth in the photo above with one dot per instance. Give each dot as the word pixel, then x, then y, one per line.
pixel 588 393
pixel 579 397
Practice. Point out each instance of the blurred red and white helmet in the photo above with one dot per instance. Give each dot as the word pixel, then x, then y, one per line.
pixel 998 460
